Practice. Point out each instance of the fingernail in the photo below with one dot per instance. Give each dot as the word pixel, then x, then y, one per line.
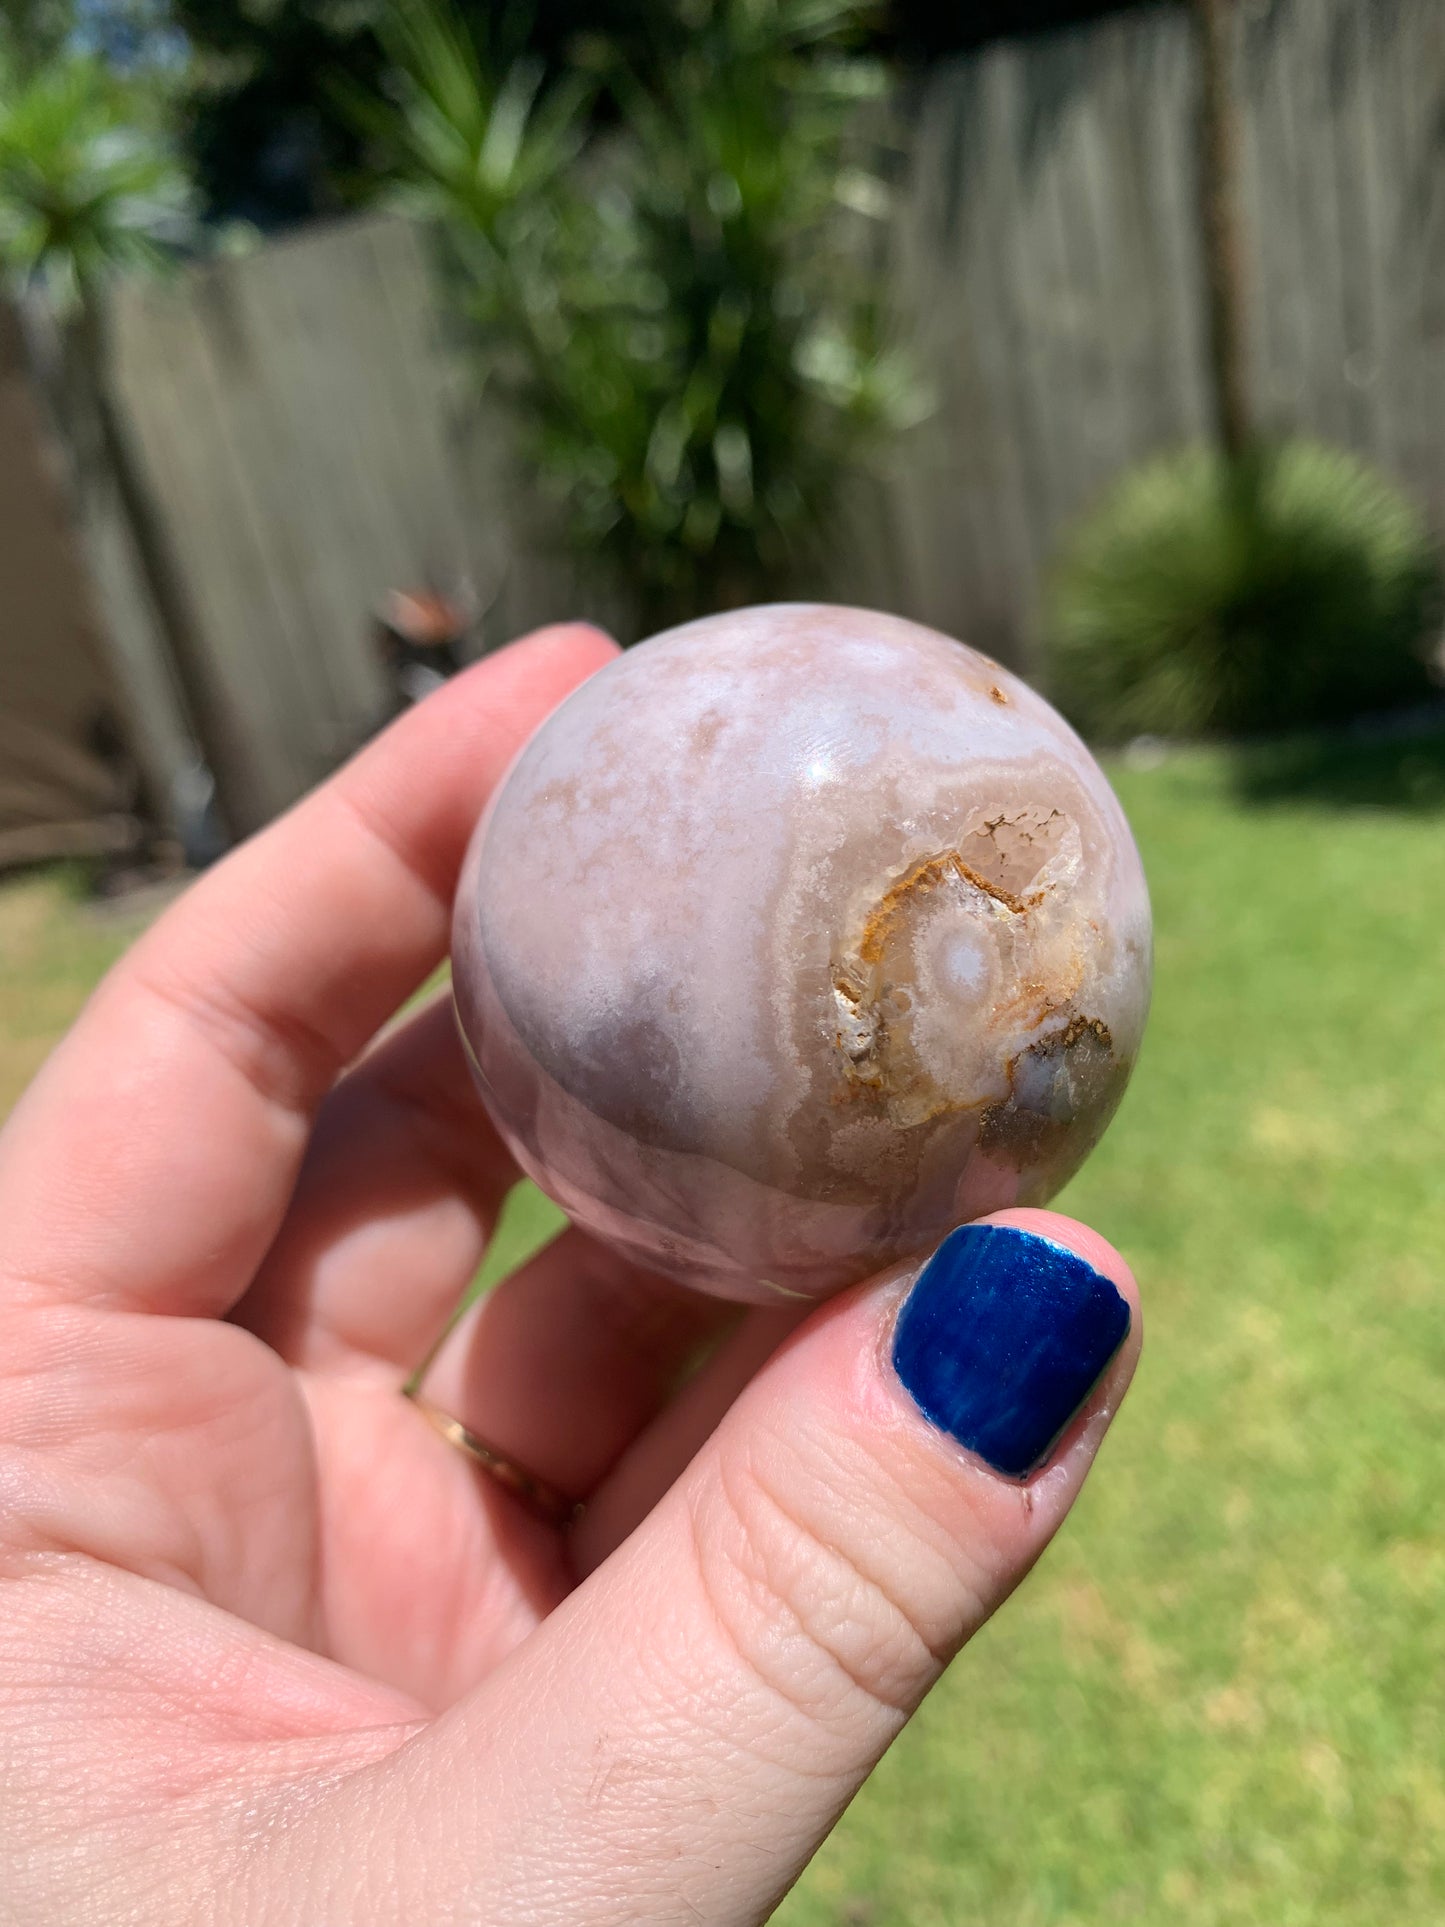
pixel 1002 1339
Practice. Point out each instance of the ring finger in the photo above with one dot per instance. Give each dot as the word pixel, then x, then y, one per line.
pixel 564 1363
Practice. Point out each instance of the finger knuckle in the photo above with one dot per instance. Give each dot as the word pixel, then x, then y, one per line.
pixel 791 1594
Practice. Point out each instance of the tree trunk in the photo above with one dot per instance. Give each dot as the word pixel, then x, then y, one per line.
pixel 1222 228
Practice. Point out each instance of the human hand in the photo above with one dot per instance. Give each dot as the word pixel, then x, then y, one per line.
pixel 271 1650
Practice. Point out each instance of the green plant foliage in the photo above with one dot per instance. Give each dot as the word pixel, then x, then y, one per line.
pixel 272 143
pixel 1298 587
pixel 695 346
pixel 89 183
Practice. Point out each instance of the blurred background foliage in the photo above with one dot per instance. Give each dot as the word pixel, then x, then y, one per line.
pixel 272 145
pixel 1217 596
pixel 91 181
pixel 696 350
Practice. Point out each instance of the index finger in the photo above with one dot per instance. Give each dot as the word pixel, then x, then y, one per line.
pixel 151 1161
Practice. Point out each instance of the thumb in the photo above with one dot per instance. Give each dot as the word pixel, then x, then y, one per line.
pixel 675 1741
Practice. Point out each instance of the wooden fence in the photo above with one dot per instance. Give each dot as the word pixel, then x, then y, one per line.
pixel 296 426
pixel 1051 253
pixel 310 441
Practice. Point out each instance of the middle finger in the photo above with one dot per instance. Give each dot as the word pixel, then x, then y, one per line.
pixel 397 1200
pixel 560 1366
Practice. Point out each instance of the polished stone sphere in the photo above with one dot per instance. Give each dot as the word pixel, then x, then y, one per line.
pixel 795 937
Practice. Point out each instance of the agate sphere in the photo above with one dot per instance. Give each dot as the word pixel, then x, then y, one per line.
pixel 794 938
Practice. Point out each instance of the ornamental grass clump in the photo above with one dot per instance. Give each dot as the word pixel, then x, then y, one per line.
pixel 1207 597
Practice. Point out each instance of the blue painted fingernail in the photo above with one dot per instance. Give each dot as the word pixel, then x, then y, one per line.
pixel 1002 1339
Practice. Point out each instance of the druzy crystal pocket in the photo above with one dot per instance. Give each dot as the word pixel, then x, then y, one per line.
pixel 794 938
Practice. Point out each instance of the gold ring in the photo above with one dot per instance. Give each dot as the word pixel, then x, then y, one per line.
pixel 542 1500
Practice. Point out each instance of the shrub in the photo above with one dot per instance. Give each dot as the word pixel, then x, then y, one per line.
pixel 1293 588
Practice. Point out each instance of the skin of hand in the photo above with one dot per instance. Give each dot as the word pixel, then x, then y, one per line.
pixel 271 1651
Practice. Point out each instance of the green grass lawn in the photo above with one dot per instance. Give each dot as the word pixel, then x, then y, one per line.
pixel 1221 1698
pixel 53 948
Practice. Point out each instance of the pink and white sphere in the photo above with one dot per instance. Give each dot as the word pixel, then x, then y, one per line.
pixel 794 938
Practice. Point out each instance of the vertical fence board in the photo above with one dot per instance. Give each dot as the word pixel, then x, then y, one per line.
pixel 296 413
pixel 1050 257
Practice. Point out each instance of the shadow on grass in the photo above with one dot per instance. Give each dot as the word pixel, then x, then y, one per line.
pixel 1347 772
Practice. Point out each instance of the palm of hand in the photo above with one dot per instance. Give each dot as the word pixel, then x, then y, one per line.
pixel 226 1264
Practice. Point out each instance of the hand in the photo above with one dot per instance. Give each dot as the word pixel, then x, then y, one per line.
pixel 271 1650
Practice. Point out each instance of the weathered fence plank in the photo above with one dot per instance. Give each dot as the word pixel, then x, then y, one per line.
pixel 1345 174
pixel 296 416
pixel 1048 254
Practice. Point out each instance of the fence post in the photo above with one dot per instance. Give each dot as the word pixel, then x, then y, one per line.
pixel 1225 292
pixel 178 711
pixel 160 736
